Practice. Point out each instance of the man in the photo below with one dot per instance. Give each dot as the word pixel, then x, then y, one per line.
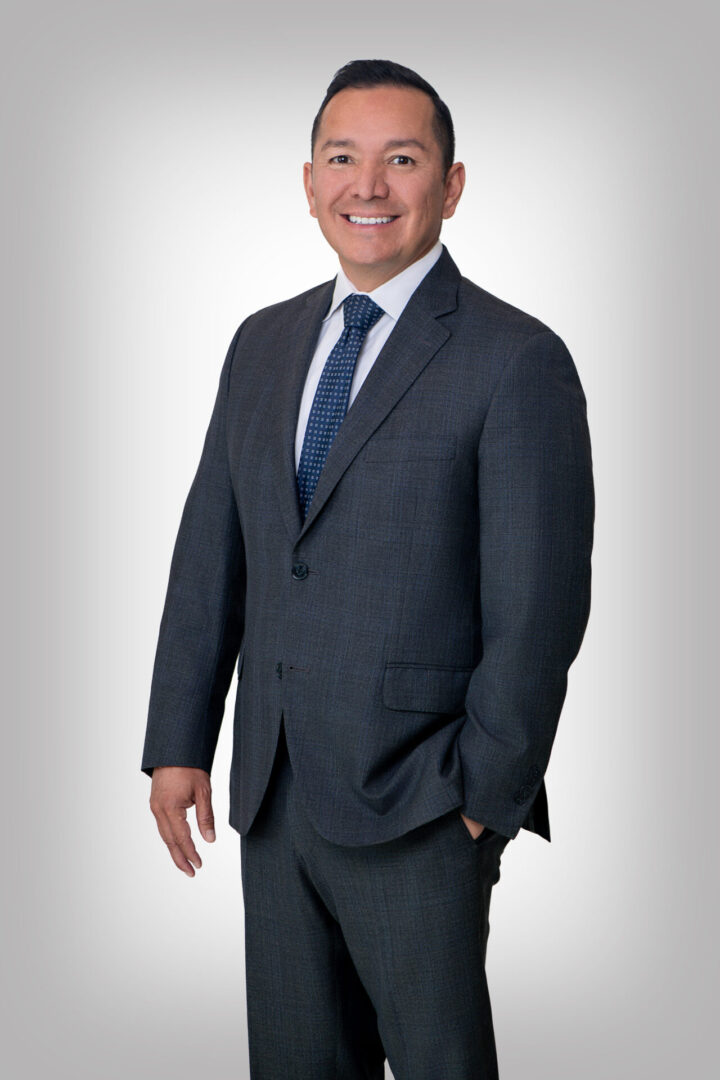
pixel 390 531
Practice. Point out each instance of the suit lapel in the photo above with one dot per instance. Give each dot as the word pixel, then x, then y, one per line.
pixel 297 353
pixel 411 345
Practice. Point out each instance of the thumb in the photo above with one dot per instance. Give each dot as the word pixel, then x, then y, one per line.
pixel 204 810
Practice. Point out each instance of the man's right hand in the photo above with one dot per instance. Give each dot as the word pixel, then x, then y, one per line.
pixel 173 790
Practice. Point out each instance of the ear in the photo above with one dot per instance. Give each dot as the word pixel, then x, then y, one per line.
pixel 454 184
pixel 309 190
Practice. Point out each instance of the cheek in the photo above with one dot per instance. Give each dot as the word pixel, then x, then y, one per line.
pixel 327 201
pixel 425 205
pixel 432 211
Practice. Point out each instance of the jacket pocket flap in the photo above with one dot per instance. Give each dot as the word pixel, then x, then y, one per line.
pixel 423 688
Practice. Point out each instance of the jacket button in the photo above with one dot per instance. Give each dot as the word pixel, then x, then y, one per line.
pixel 300 571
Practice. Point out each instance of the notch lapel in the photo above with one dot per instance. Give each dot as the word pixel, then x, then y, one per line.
pixel 297 353
pixel 410 347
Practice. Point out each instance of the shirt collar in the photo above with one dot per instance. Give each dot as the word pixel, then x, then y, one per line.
pixel 392 295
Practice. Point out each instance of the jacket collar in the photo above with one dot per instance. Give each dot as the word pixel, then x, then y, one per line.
pixel 413 342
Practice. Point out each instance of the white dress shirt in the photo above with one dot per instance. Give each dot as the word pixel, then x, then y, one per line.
pixel 391 296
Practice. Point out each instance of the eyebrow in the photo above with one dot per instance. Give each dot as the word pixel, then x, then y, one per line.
pixel 393 144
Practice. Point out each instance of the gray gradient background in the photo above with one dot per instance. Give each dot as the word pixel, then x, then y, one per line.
pixel 151 196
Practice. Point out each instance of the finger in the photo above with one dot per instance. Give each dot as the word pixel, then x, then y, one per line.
pixel 165 830
pixel 179 841
pixel 204 811
pixel 183 837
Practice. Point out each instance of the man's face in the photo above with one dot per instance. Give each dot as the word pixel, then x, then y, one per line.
pixel 376 156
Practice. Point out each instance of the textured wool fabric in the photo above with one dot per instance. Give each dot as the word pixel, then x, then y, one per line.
pixel 416 628
pixel 354 954
pixel 331 398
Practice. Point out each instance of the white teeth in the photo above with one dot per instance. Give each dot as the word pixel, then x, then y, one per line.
pixel 369 220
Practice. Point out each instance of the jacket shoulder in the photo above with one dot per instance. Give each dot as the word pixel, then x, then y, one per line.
pixel 285 310
pixel 495 316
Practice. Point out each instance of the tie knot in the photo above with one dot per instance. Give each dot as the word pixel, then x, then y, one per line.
pixel 359 310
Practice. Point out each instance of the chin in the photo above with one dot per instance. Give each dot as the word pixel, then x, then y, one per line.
pixel 367 255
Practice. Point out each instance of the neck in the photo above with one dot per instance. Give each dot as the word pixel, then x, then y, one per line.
pixel 367 278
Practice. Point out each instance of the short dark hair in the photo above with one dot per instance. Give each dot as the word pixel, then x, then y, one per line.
pixel 360 74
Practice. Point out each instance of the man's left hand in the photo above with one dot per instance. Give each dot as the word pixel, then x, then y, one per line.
pixel 473 827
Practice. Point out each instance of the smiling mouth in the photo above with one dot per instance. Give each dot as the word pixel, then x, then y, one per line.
pixel 355 219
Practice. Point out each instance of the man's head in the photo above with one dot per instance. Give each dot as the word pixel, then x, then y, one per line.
pixel 364 74
pixel 382 176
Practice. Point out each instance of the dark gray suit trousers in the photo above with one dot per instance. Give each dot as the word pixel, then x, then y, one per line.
pixel 355 954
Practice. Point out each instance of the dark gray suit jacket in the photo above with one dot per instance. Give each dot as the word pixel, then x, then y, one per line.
pixel 417 629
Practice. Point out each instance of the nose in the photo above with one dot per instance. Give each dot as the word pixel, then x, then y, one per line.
pixel 370 182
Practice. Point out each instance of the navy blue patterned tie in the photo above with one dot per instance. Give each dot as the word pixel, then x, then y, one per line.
pixel 331 397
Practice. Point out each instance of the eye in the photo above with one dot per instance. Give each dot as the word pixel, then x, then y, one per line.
pixel 340 159
pixel 403 159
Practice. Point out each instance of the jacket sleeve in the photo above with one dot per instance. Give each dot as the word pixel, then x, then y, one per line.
pixel 536 520
pixel 202 621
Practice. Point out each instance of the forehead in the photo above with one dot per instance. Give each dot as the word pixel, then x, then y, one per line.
pixel 376 114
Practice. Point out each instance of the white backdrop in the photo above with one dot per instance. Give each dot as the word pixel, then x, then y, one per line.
pixel 151 196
